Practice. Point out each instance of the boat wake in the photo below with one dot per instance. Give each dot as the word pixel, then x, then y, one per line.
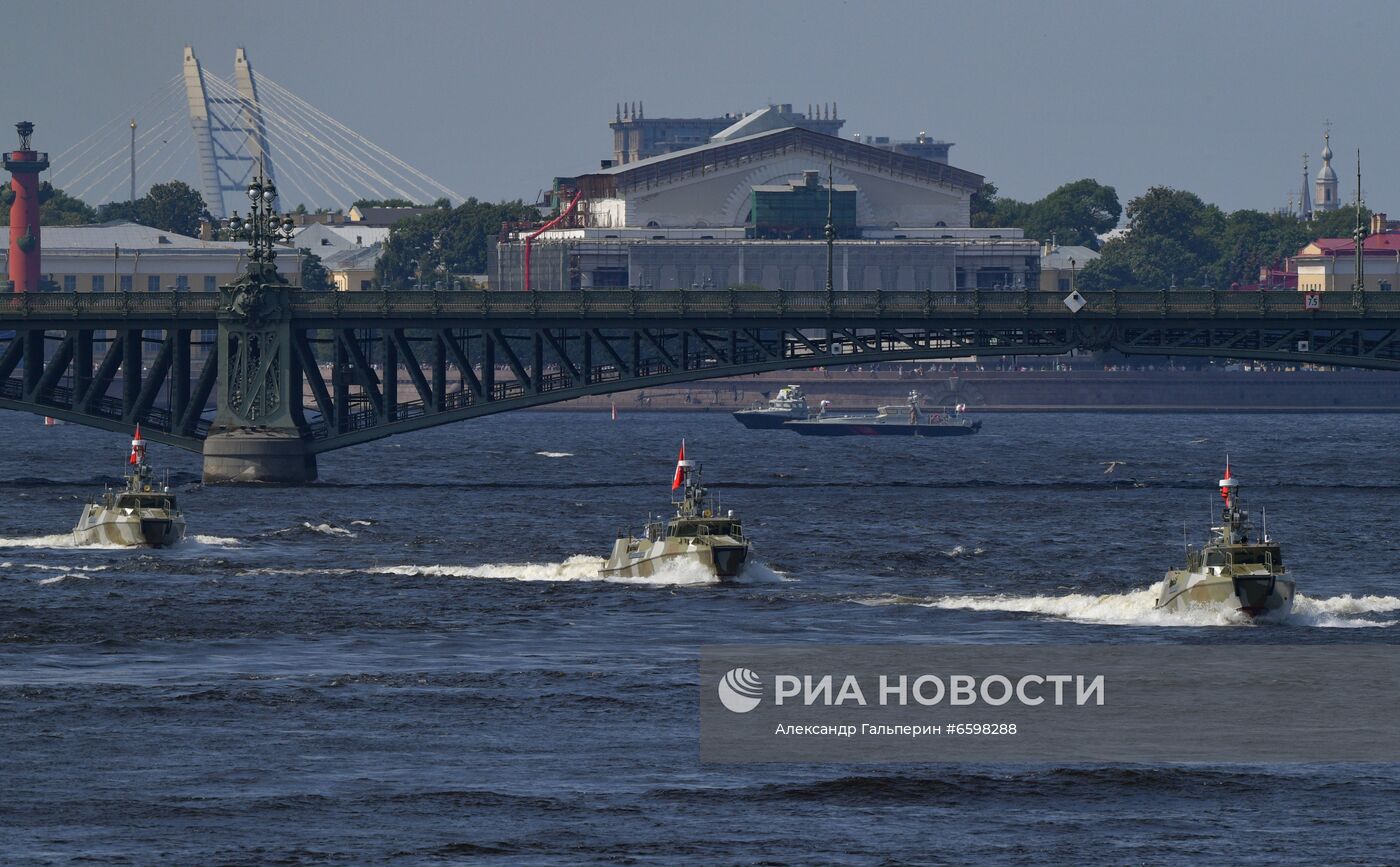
pixel 555 454
pixel 582 567
pixel 57 540
pixel 56 579
pixel 322 529
pixel 65 541
pixel 214 541
pixel 1136 608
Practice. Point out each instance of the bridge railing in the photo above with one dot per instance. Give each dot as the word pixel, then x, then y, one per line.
pixel 784 303
pixel 108 304
pixel 722 303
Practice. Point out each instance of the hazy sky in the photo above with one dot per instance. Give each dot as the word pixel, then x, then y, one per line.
pixel 494 99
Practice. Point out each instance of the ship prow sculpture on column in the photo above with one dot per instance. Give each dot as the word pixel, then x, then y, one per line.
pixel 259 433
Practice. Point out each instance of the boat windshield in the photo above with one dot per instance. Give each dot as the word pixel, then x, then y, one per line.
pixel 146 501
pixel 708 528
pixel 1253 555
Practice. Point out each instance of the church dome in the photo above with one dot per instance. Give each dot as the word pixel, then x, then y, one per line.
pixel 1326 173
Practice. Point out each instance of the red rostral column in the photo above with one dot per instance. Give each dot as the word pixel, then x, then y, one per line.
pixel 24 166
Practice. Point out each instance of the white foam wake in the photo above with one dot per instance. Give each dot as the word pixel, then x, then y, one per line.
pixel 322 529
pixel 57 540
pixel 42 567
pixel 1136 608
pixel 65 540
pixel 580 567
pixel 555 454
pixel 1334 611
pixel 215 541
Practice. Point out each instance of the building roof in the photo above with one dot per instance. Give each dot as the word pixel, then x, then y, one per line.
pixel 765 119
pixel 719 154
pixel 340 237
pixel 1381 244
pixel 385 216
pixel 1058 258
pixel 128 236
pixel 353 258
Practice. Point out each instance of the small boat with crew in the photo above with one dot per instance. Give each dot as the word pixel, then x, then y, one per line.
pixel 1231 570
pixel 909 419
pixel 789 405
pixel 143 513
pixel 699 532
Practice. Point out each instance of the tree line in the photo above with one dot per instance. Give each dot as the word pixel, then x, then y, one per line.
pixel 1171 238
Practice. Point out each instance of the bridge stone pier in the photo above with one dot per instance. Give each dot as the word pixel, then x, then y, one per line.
pixel 294 374
pixel 259 432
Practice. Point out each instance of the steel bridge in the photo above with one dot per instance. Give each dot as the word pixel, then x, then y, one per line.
pixel 292 374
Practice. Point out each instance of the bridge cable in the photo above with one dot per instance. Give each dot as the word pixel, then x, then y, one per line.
pixel 344 155
pixel 362 142
pixel 294 153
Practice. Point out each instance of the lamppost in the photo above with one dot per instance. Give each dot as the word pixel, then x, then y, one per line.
pixel 263 229
pixel 829 232
pixel 441 268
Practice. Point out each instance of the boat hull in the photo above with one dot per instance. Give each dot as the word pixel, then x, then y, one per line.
pixel 859 428
pixel 105 527
pixel 1258 596
pixel 721 556
pixel 759 420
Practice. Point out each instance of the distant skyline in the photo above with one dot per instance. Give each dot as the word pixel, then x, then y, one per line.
pixel 494 100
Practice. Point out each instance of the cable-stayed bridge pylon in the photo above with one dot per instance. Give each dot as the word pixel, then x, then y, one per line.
pixel 216 132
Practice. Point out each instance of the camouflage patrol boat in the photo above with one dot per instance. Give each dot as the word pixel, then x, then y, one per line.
pixel 698 533
pixel 143 513
pixel 789 405
pixel 1230 570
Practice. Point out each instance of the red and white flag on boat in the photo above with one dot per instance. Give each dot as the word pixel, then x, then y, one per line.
pixel 138 447
pixel 1227 484
pixel 679 478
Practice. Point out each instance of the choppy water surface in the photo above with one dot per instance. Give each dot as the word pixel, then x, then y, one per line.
pixel 415 659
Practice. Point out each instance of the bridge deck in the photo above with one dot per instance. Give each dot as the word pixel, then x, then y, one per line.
pixel 355 366
pixel 197 308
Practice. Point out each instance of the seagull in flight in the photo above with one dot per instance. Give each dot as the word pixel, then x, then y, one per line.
pixel 1112 465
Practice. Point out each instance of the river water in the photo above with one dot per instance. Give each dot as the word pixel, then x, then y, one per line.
pixel 414 660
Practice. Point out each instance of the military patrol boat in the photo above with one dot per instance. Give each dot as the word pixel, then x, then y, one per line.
pixel 894 420
pixel 789 405
pixel 698 533
pixel 1231 571
pixel 143 513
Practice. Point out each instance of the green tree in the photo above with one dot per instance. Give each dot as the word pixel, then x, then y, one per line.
pixel 120 211
pixel 1075 213
pixel 1253 240
pixel 313 272
pixel 455 239
pixel 984 203
pixel 385 203
pixel 1172 239
pixel 1337 224
pixel 56 208
pixel 174 206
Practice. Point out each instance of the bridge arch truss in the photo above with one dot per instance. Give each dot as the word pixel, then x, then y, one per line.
pixel 115 359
